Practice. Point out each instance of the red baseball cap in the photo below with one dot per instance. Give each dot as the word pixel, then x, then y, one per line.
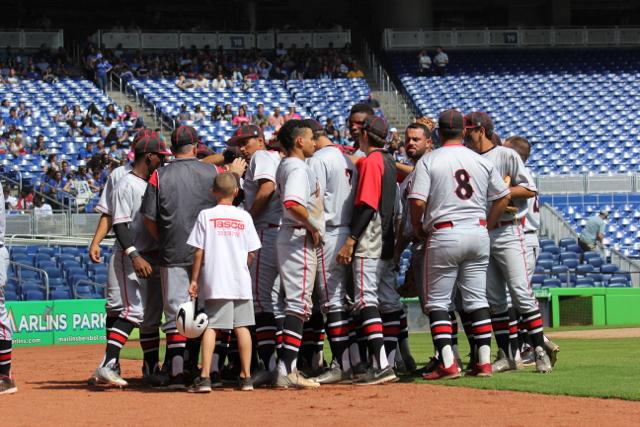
pixel 245 132
pixel 151 143
pixel 184 135
pixel 478 119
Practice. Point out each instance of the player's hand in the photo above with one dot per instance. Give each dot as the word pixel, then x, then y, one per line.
pixel 193 289
pixel 142 267
pixel 238 166
pixel 94 253
pixel 345 254
pixel 507 180
pixel 511 210
pixel 317 238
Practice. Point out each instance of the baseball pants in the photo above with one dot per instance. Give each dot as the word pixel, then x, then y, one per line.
pixel 113 304
pixel 533 250
pixel 331 277
pixel 366 273
pixel 388 296
pixel 5 327
pixel 264 273
pixel 456 256
pixel 141 298
pixel 175 291
pixel 508 265
pixel 297 264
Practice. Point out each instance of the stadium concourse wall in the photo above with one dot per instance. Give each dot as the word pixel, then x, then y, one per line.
pixel 32 39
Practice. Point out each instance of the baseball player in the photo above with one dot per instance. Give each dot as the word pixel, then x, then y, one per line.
pixel 531 226
pixel 174 197
pixel 371 242
pixel 508 263
pixel 7 384
pixel 449 198
pixel 134 253
pixel 263 204
pixel 337 177
pixel 300 233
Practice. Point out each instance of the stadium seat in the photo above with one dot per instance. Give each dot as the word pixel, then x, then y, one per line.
pixel 584 269
pixel 33 295
pixel 571 263
pixel 584 282
pixel 11 295
pixel 60 294
pixel 551 283
pixel 618 282
pixel 546 264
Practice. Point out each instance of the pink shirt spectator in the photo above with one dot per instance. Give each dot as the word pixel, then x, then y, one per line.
pixel 239 120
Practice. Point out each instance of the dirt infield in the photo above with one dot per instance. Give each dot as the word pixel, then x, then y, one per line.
pixel 595 334
pixel 53 392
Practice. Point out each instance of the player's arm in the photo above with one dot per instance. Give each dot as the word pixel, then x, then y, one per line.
pixel 301 214
pixel 417 208
pixel 198 255
pixel 266 188
pixel 250 257
pixel 148 208
pixel 496 210
pixel 404 168
pixel 102 229
pixel 216 159
pixel 520 192
pixel 140 265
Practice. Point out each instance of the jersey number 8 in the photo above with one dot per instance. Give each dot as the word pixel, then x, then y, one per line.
pixel 464 190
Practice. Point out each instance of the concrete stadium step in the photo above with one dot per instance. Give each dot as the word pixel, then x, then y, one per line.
pixel 121 99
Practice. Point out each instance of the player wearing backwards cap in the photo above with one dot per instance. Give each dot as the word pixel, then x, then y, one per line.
pixel 449 198
pixel 263 204
pixel 300 233
pixel 7 384
pixel 174 197
pixel 149 341
pixel 532 224
pixel 507 271
pixel 371 242
pixel 133 255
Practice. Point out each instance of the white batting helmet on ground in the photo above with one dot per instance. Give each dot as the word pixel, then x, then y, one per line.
pixel 189 322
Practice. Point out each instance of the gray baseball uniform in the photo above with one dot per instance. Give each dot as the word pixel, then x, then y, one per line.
pixel 457 185
pixel 508 264
pixel 113 299
pixel 264 269
pixel 297 259
pixel 531 227
pixel 337 177
pixel 5 327
pixel 141 298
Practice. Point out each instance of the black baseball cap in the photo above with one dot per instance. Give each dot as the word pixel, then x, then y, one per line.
pixel 377 126
pixel 245 132
pixel 478 119
pixel 313 124
pixel 451 120
pixel 151 143
pixel 184 135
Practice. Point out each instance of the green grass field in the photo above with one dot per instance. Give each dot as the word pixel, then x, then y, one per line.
pixel 605 368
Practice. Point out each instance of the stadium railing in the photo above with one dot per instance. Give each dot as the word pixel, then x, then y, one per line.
pixel 58 224
pixel 18 269
pixel 32 38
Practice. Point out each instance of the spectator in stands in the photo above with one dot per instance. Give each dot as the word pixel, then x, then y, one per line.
pixel 55 185
pixel 276 120
pixel 183 83
pixel 16 146
pixel 219 83
pixel 13 118
pixel 39 147
pixel 593 232
pixel 110 112
pixel 48 76
pixel 393 140
pixel 89 128
pixel 41 208
pixel 246 83
pixel 86 152
pixel 198 114
pixel 292 114
pixel 332 132
pixel 228 113
pixel 252 74
pixel 264 68
pixel 12 78
pixel 441 60
pixel 260 118
pixel 64 115
pixel 424 63
pixel 217 114
pixel 355 72
pixel 129 115
pixel 201 82
pixel 74 131
pixel 184 115
pixel 281 51
pixel 241 118
pixel 23 110
pixel 102 69
pixel 65 168
pixel 77 115
pixel 25 200
pixel 5 106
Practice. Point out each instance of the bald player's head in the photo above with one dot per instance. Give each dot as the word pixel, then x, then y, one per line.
pixel 225 185
pixel 521 145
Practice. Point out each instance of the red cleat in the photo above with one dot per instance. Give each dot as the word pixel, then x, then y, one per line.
pixel 442 373
pixel 480 371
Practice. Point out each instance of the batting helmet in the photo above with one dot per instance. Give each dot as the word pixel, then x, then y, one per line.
pixel 189 321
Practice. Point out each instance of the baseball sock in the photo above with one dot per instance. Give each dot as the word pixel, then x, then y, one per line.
pixel 279 327
pixel 266 330
pixel 468 331
pixel 454 334
pixel 5 357
pixel 305 353
pixel 533 322
pixel 513 333
pixel 111 319
pixel 441 335
pixel 500 324
pixel 223 340
pixel 354 345
pixel 150 343
pixel 361 339
pixel 174 356
pixel 291 340
pixel 481 332
pixel 391 331
pixel 523 336
pixel 372 330
pixel 403 342
pixel 339 328
pixel 116 338
pixel 318 336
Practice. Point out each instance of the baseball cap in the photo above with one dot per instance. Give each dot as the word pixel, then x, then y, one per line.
pixel 451 120
pixel 151 144
pixel 477 119
pixel 203 151
pixel 604 213
pixel 313 124
pixel 184 135
pixel 377 126
pixel 244 132
pixel 393 130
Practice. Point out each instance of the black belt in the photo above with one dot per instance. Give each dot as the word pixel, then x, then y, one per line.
pixel 530 232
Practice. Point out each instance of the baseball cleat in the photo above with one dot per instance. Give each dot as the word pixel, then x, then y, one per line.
pixel 108 375
pixel 377 376
pixel 7 385
pixel 178 382
pixel 200 385
pixel 245 384
pixel 333 375
pixel 527 359
pixel 503 363
pixel 543 364
pixel 442 373
pixel 94 379
pixel 482 371
pixel 431 365
pixel 294 380
pixel 552 350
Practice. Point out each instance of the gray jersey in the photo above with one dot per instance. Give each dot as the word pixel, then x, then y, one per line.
pixel 126 201
pixel 532 222
pixel 403 191
pixel 508 163
pixel 104 205
pixel 297 183
pixel 457 184
pixel 263 165
pixel 3 219
pixel 338 179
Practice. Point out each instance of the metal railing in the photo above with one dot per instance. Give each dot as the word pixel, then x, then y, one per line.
pixel 44 277
pixel 57 225
pixel 95 285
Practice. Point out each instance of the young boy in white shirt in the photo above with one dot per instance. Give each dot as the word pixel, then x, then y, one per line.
pixel 225 240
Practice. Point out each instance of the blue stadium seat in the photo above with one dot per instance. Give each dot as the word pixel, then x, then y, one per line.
pixel 618 282
pixel 60 294
pixel 546 264
pixel 551 283
pixel 33 295
pixel 11 295
pixel 584 269
pixel 585 282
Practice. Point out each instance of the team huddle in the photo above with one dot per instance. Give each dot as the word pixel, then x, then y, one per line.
pixel 253 261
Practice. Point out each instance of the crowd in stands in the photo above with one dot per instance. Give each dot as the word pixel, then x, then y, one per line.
pixel 42 65
pixel 436 66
